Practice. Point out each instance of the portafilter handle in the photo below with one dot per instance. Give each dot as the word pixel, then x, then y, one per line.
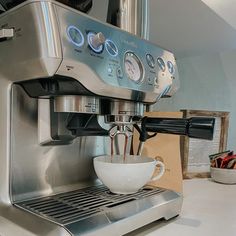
pixel 194 127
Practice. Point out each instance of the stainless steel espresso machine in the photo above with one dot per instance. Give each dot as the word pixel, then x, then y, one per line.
pixel 67 83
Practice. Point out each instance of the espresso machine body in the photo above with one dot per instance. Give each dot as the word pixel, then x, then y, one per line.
pixel 65 80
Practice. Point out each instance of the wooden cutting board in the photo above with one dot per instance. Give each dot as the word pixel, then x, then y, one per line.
pixel 167 147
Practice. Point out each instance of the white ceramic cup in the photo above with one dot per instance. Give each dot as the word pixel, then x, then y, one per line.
pixel 129 176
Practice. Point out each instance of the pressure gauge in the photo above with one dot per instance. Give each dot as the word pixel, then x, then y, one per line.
pixel 133 67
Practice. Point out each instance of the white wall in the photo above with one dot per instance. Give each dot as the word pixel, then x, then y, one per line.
pixel 208 82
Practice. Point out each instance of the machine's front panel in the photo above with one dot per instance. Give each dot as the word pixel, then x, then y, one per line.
pixel 118 59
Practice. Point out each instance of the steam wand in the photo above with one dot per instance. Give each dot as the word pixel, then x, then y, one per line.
pixel 143 135
pixel 195 127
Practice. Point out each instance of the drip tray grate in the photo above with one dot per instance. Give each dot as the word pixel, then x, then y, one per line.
pixel 66 208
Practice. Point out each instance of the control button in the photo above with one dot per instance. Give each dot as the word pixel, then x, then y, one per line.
pixel 109 70
pixel 75 36
pixel 150 60
pixel 161 63
pixel 96 41
pixel 170 67
pixel 111 48
pixel 119 72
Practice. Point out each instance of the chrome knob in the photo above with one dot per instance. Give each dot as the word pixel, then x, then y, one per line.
pixel 98 40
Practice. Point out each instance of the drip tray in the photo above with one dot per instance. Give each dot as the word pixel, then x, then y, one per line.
pixel 73 206
pixel 73 210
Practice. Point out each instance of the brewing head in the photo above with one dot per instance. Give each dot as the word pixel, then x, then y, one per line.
pixel 124 112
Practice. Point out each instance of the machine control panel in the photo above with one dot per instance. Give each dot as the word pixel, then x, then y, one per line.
pixel 119 58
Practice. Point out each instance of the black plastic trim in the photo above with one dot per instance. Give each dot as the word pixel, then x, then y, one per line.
pixel 54 86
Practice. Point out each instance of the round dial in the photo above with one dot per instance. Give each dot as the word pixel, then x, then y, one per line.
pixel 111 48
pixel 75 36
pixel 133 67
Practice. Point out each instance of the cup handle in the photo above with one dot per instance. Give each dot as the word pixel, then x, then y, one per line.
pixel 162 170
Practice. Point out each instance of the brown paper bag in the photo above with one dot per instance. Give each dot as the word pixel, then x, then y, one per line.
pixel 167 148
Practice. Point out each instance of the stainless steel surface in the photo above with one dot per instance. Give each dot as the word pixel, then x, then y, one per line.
pixel 14 221
pixel 54 51
pixel 5 87
pixel 133 16
pixel 35 45
pixel 77 104
pixel 140 148
pixel 122 112
pixel 67 208
pixel 94 210
pixel 51 125
pixel 113 81
pixel 53 43
pixel 145 26
pixel 115 119
pixel 37 170
pixel 117 143
pixel 119 107
pixel 108 71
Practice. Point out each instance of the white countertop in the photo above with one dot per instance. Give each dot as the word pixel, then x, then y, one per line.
pixel 209 209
